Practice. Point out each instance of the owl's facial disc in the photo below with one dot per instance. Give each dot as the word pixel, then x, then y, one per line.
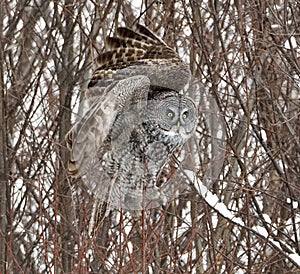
pixel 177 115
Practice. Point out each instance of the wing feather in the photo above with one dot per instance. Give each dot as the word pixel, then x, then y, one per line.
pixel 91 132
pixel 138 47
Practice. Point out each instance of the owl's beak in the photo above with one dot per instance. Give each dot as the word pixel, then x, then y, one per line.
pixel 176 128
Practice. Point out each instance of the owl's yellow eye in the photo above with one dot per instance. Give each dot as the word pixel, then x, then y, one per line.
pixel 185 115
pixel 170 114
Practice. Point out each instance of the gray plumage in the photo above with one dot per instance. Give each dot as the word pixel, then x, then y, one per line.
pixel 138 118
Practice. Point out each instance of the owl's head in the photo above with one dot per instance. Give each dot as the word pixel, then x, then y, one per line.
pixel 174 115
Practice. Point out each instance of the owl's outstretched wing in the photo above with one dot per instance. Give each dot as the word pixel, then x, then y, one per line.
pixel 138 52
pixel 89 137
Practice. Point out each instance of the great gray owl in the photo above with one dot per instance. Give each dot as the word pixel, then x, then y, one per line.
pixel 139 118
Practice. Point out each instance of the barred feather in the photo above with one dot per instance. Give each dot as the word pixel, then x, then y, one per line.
pixel 131 46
